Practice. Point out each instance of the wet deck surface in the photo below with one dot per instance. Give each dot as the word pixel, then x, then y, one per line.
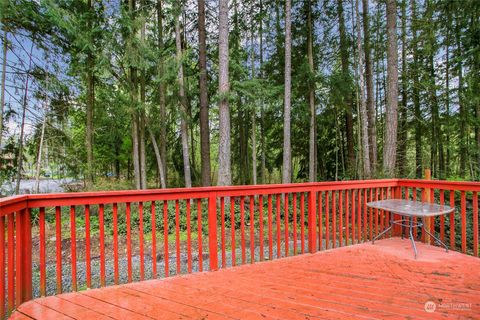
pixel 381 281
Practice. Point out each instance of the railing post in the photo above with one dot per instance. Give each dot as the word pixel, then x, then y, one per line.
pixel 312 222
pixel 212 231
pixel 27 256
pixel 427 221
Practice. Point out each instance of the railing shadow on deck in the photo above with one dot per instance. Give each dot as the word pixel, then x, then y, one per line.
pixel 54 243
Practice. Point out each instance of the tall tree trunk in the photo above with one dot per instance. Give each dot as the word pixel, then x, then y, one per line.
pixel 461 103
pixel 416 93
pixel 162 91
pixel 40 146
pixel 158 156
pixel 402 133
pixel 141 131
pixel 90 102
pixel 183 106
pixel 203 86
pixel 262 111
pixel 3 93
pixel 22 125
pixel 287 156
pixel 372 127
pixel 254 112
pixel 312 150
pixel 390 148
pixel 447 97
pixel 133 83
pixel 224 156
pixel 348 101
pixel 363 105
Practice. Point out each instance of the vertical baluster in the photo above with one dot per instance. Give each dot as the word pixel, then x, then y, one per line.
pixel 340 217
pixel 2 267
pixel 43 272
pixel 442 217
pixel 365 191
pixel 154 239
pixel 88 269
pixel 302 221
pixel 353 216
pixel 18 259
pixel 260 222
pixel 334 219
pixel 270 227
pixel 177 235
pixel 11 262
pixel 252 230
pixel 200 242
pixel 347 219
pixel 320 220
pixel 58 248
pixel 73 244
pixel 242 227
pixel 286 216
pixel 370 225
pixel 327 220
pixel 222 213
pixel 232 229
pixel 278 226
pixel 189 238
pixel 464 221
pixel 115 243
pixel 129 241
pixel 414 195
pixel 294 204
pixel 452 220
pixel 166 259
pixel 359 216
pixel 140 240
pixel 475 224
pixel 425 221
pixel 376 212
pixel 101 226
pixel 312 223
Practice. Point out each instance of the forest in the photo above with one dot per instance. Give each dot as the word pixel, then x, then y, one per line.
pixel 137 94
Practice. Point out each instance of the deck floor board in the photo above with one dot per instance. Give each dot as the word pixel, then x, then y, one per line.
pixel 381 281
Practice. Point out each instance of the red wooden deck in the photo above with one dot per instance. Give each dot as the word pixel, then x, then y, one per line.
pixel 363 281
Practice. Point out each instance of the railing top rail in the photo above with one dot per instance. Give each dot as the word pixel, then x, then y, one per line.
pixel 99 197
pixel 440 184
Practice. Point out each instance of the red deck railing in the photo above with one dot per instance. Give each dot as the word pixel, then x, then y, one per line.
pixel 54 243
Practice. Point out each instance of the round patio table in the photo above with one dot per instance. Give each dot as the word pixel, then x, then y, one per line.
pixel 409 210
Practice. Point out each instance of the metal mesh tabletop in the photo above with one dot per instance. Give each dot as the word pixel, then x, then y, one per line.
pixel 411 208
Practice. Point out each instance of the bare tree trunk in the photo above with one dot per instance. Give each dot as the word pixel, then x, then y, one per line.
pixel 416 94
pixel 262 111
pixel 312 150
pixel 287 152
pixel 224 156
pixel 4 73
pixel 158 156
pixel 402 134
pixel 363 105
pixel 90 104
pixel 141 131
pixel 203 86
pixel 22 125
pixel 40 147
pixel 183 105
pixel 349 107
pixel 162 92
pixel 254 114
pixel 372 127
pixel 390 148
pixel 461 104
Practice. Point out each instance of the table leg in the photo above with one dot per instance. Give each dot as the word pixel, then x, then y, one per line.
pixel 412 238
pixel 384 231
pixel 436 239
